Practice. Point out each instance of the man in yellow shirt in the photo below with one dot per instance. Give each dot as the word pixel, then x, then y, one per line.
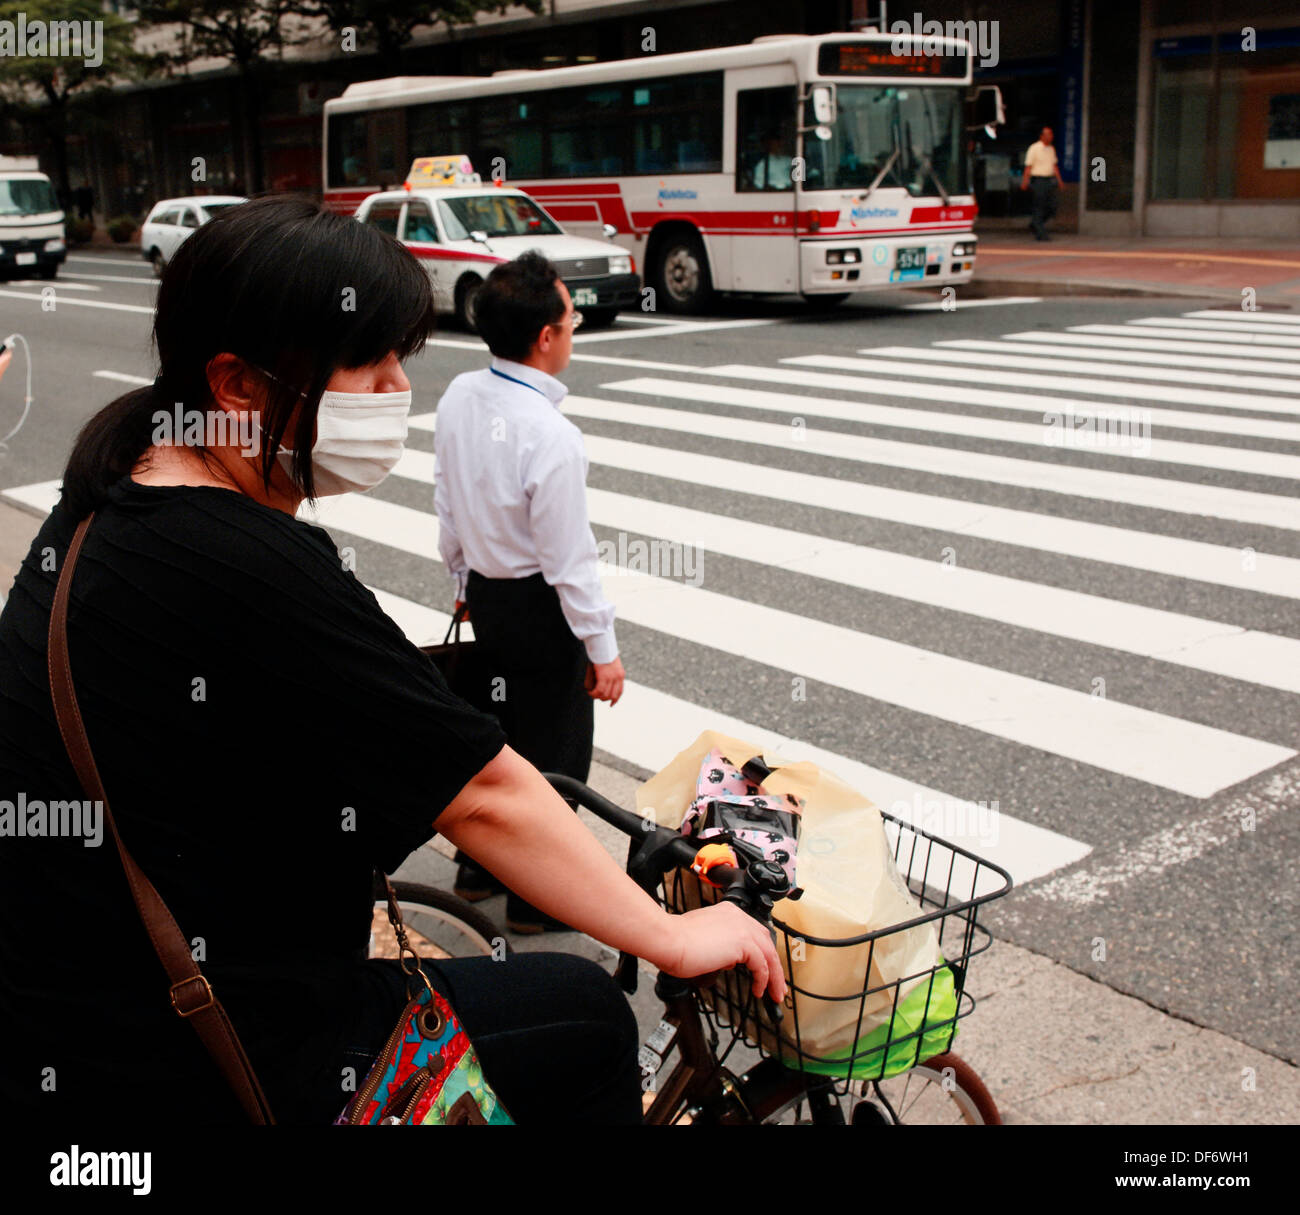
pixel 1043 175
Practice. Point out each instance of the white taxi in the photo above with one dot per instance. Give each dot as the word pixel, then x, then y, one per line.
pixel 460 228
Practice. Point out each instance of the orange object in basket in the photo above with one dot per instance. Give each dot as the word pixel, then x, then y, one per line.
pixel 710 857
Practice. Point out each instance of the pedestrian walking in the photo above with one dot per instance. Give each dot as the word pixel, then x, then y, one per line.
pixel 1043 177
pixel 511 499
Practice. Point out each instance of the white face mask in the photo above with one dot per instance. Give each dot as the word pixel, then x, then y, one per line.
pixel 360 436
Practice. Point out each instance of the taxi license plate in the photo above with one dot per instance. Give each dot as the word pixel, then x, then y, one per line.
pixel 911 258
pixel 25 259
pixel 586 296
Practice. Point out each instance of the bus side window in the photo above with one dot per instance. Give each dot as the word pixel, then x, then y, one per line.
pixel 765 143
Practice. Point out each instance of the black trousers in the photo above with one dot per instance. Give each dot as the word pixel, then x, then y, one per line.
pixel 536 670
pixel 555 1034
pixel 541 699
pixel 1043 193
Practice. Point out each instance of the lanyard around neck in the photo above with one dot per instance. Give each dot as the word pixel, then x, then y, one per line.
pixel 516 380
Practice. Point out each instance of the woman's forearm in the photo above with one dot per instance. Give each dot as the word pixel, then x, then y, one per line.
pixel 510 820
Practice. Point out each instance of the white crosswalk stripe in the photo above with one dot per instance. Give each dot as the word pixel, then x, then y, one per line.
pixel 1271 318
pixel 1281 344
pixel 1244 325
pixel 1137 339
pixel 876 366
pixel 1060 360
pixel 1215 378
pixel 1103 359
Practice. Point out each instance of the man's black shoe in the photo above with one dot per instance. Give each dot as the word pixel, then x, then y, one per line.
pixel 474 883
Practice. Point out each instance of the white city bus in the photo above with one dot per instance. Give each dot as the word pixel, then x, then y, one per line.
pixel 820 164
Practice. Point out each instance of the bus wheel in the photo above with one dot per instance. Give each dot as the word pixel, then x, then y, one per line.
pixel 466 292
pixel 682 279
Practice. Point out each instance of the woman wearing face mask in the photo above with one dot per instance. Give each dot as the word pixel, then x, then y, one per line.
pixel 261 726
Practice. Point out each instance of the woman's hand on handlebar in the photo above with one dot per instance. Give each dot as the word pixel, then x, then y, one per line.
pixel 720 937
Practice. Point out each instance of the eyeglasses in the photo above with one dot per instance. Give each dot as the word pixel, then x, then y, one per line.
pixel 575 321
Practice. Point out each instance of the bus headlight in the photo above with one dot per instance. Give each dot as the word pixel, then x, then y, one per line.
pixel 837 257
pixel 620 264
pixel 964 250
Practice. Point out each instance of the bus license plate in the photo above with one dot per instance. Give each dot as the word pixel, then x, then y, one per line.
pixel 586 296
pixel 25 259
pixel 911 258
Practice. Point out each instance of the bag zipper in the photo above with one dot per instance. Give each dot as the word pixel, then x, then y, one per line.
pixel 367 1091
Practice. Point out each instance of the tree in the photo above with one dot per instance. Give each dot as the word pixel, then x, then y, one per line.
pixel 241 32
pixel 389 24
pixel 38 84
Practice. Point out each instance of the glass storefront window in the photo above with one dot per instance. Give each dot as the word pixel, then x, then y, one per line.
pixel 1226 126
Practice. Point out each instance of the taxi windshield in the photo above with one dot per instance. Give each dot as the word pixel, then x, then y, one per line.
pixel 494 215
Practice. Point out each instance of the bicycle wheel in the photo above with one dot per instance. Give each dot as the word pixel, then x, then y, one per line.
pixel 438 924
pixel 944 1090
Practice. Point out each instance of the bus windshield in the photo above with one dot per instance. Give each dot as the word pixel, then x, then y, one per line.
pixel 26 196
pixel 494 215
pixel 915 135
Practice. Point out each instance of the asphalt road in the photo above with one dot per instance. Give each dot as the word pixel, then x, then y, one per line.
pixel 1081 661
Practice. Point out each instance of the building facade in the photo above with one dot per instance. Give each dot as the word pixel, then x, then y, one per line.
pixel 1172 117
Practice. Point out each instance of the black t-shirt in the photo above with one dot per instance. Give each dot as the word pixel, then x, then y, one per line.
pixel 266 735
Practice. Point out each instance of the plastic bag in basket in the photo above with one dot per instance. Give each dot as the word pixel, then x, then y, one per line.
pixel 861 1008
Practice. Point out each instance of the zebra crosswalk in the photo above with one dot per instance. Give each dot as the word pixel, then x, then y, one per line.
pixel 953 616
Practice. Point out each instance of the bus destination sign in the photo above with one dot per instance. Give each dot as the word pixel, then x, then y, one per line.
pixel 865 59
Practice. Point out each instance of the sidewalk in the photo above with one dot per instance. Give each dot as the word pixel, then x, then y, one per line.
pixel 1182 266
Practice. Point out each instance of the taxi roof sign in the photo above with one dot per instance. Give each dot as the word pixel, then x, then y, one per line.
pixel 455 170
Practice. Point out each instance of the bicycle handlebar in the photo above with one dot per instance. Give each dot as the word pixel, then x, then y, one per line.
pixel 662 850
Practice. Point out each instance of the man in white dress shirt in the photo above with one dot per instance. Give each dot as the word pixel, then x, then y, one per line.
pixel 511 498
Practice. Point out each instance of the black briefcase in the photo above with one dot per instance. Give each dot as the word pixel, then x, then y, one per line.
pixel 462 664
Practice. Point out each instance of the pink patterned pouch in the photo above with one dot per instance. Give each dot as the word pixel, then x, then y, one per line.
pixel 729 803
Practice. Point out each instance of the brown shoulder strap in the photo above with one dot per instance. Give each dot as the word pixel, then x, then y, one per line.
pixel 191 995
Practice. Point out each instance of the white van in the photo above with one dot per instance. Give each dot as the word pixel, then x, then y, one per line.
pixel 32 237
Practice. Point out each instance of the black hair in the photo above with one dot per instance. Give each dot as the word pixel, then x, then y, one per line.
pixel 518 300
pixel 288 287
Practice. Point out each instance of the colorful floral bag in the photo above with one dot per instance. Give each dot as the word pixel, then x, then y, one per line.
pixel 427 1074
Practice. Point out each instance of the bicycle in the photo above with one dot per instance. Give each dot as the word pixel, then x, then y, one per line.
pixel 702 1025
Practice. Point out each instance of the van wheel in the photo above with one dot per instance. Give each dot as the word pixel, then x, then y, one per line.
pixel 156 258
pixel 598 318
pixel 682 279
pixel 48 271
pixel 466 293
